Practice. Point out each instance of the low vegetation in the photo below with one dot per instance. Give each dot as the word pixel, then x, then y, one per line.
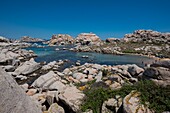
pixel 157 96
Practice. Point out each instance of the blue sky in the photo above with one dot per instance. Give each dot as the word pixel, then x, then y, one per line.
pixel 106 18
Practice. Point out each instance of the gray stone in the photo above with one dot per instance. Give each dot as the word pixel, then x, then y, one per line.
pixel 51 95
pixel 112 105
pixel 162 75
pixel 162 63
pixel 79 76
pixel 24 87
pixel 9 68
pixel 49 81
pixel 72 97
pixel 131 104
pixel 134 70
pixel 21 77
pixel 13 98
pixel 27 67
pixel 99 76
pixel 55 108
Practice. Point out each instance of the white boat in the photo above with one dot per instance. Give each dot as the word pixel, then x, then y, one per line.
pixel 85 56
pixel 57 49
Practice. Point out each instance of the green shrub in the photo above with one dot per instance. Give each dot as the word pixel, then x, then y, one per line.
pixel 157 96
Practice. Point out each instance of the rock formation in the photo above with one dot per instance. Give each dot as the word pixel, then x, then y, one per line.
pixel 159 72
pixel 13 99
pixel 148 36
pixel 112 40
pixel 3 39
pixel 131 104
pixel 61 39
pixel 30 39
pixel 87 39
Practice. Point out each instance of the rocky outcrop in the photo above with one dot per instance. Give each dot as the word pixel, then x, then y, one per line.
pixel 112 40
pixel 13 99
pixel 162 63
pixel 88 39
pixel 105 50
pixel 27 67
pixel 131 104
pixel 30 39
pixel 148 36
pixel 128 70
pixel 7 57
pixel 159 72
pixel 61 39
pixel 3 39
pixel 11 55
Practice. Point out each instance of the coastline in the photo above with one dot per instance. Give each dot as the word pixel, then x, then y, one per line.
pixel 68 88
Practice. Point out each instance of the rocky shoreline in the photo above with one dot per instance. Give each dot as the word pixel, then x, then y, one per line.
pixel 144 42
pixel 65 91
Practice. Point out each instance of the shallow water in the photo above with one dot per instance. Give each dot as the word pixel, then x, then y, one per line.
pixel 49 54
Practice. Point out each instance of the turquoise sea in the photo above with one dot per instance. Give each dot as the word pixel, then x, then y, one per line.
pixel 49 54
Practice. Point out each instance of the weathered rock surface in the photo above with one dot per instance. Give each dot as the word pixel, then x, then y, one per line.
pixel 162 63
pixel 55 108
pixel 13 55
pixel 27 67
pixel 87 39
pixel 148 36
pixel 112 105
pixel 61 39
pixel 131 104
pixel 6 57
pixel 112 40
pixel 3 39
pixel 13 99
pixel 129 70
pixel 72 97
pixel 50 81
pixel 160 75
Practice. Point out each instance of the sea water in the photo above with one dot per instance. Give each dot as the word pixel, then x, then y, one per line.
pixel 50 53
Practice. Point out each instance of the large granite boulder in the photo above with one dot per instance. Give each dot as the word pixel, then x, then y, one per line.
pixel 61 39
pixel 55 108
pixel 88 39
pixel 131 104
pixel 13 98
pixel 6 57
pixel 158 74
pixel 162 63
pixel 129 70
pixel 72 97
pixel 27 67
pixel 49 81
